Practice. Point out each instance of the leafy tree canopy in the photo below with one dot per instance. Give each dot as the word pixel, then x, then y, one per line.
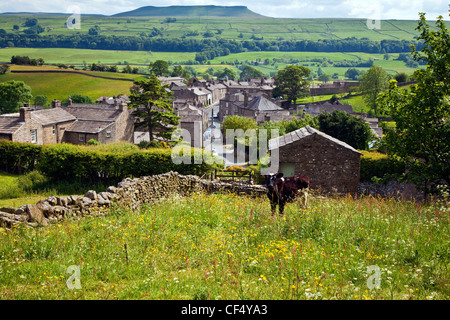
pixel 249 72
pixel 152 107
pixel 420 137
pixel 291 82
pixel 159 68
pixel 238 122
pixel 13 94
pixel 341 125
pixel 373 82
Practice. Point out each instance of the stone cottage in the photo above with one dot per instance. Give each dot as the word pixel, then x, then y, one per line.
pixel 76 124
pixel 256 107
pixel 38 126
pixel 331 165
pixel 100 122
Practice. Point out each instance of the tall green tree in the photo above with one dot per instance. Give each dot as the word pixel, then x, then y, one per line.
pixel 159 67
pixel 421 136
pixel 238 122
pixel 152 107
pixel 352 73
pixel 352 130
pixel 291 82
pixel 13 94
pixel 295 123
pixel 249 72
pixel 41 100
pixel 373 82
pixel 226 73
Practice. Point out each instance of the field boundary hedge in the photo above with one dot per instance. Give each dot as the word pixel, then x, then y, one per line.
pixel 380 166
pixel 68 162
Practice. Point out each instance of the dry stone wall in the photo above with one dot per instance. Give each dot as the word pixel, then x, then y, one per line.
pixel 132 193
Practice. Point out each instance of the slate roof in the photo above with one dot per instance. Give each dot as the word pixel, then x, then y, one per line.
pixel 89 126
pixel 188 109
pixel 200 91
pixel 328 107
pixel 93 112
pixel 301 133
pixel 260 103
pixel 10 123
pixel 51 116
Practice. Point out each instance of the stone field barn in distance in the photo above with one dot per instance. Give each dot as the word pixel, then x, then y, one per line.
pixel 329 163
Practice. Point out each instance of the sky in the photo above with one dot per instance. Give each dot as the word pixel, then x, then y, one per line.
pixel 371 9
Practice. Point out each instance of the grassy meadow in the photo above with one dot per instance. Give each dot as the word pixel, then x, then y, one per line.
pixel 224 246
pixel 81 56
pixel 60 85
pixel 223 27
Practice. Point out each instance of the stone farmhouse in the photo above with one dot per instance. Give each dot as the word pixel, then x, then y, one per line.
pixel 38 126
pixel 76 124
pixel 258 108
pixel 331 165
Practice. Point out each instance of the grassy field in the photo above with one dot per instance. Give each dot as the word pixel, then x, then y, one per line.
pixel 80 56
pixel 226 28
pixel 60 85
pixel 230 247
pixel 276 60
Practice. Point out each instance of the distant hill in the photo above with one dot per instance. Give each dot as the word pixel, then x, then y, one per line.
pixel 191 11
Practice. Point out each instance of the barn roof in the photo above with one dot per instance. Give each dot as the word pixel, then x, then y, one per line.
pixel 301 133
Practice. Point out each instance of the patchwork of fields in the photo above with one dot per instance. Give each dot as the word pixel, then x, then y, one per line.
pixel 226 28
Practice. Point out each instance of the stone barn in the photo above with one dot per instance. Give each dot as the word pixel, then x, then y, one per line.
pixel 329 163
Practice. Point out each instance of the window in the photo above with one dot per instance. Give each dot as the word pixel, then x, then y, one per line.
pixel 81 137
pixel 33 135
pixel 54 129
pixel 108 134
pixel 288 169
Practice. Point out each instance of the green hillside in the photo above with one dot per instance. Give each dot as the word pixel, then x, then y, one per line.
pixel 240 25
pixel 190 11
pixel 61 85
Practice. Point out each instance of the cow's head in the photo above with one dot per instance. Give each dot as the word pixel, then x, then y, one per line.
pixel 302 182
pixel 272 179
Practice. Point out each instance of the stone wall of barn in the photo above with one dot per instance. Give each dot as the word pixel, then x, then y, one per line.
pixel 330 166
pixel 131 193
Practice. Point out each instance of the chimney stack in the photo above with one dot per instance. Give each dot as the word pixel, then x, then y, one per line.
pixel 122 106
pixel 25 113
pixel 69 101
pixel 56 104
pixel 245 99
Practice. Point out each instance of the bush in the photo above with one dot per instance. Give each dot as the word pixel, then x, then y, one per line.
pixel 29 181
pixel 17 157
pixel 376 166
pixel 152 144
pixel 93 142
pixel 235 168
pixel 117 147
pixel 66 162
pixel 110 162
